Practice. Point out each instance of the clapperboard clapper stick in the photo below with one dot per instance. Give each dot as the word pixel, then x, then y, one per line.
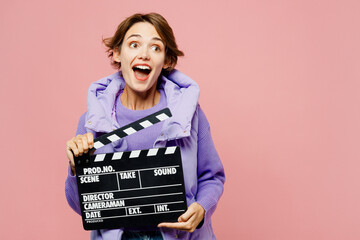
pixel 131 189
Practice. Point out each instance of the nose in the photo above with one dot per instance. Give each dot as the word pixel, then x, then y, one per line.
pixel 143 53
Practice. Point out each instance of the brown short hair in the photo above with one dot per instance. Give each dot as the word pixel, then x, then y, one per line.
pixel 163 29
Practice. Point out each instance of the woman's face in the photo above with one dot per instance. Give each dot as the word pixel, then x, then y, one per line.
pixel 142 57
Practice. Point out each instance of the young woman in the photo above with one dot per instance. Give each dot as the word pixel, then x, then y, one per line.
pixel 144 51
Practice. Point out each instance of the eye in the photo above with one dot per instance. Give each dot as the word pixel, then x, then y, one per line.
pixel 155 48
pixel 133 45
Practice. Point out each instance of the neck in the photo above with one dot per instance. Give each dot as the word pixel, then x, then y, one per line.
pixel 139 100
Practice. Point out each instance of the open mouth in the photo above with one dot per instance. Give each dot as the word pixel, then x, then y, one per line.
pixel 141 72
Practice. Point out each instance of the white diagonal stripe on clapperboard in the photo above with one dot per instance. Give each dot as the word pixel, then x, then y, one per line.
pixel 131 128
pixel 134 154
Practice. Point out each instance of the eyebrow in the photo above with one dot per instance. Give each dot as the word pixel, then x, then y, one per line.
pixel 154 38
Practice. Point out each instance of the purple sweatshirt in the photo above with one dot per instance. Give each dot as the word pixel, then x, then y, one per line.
pixel 207 186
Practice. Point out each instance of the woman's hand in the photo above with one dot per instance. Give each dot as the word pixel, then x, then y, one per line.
pixel 189 220
pixel 78 145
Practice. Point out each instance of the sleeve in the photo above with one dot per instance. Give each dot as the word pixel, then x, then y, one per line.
pixel 210 172
pixel 71 190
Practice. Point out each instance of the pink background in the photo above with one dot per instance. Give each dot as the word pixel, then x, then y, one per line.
pixel 280 84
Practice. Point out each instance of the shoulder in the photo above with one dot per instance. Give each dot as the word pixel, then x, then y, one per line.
pixel 201 115
pixel 103 83
pixel 203 123
pixel 82 118
pixel 81 125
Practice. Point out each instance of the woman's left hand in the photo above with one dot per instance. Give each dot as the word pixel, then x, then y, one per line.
pixel 189 220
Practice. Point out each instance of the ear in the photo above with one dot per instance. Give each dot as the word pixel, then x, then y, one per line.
pixel 167 64
pixel 116 55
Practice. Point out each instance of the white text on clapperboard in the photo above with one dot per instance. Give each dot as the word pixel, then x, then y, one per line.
pixel 106 200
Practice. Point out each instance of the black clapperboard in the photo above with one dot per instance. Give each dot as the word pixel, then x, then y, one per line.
pixel 131 189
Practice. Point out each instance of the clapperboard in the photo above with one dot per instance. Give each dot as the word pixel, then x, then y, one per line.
pixel 131 189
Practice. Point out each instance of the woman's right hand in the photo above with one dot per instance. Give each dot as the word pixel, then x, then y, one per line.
pixel 78 145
